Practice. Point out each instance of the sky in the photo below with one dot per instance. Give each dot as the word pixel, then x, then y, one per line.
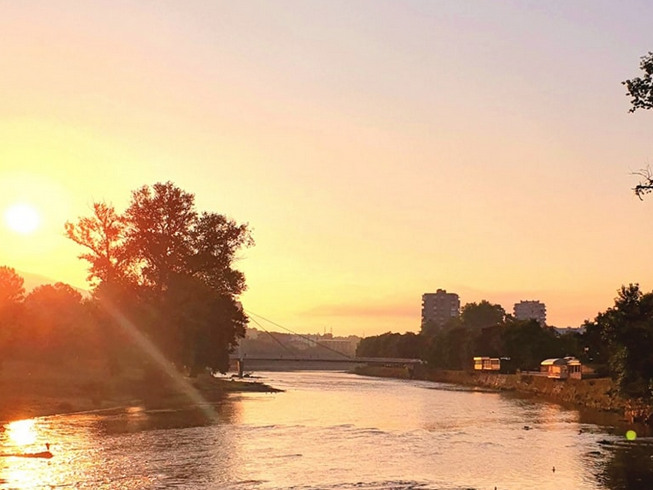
pixel 379 150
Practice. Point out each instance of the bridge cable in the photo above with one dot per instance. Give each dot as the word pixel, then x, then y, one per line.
pixel 275 339
pixel 298 334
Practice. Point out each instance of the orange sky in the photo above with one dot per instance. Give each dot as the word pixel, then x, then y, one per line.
pixel 379 150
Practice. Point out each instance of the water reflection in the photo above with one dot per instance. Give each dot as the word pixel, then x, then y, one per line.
pixel 628 466
pixel 331 431
pixel 22 432
pixel 130 449
pixel 138 419
pixel 24 447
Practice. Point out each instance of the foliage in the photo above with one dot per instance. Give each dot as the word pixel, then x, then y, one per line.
pixel 169 270
pixel 57 325
pixel 645 185
pixel 476 316
pixel 12 293
pixel 620 338
pixel 627 330
pixel 489 341
pixel 640 89
pixel 527 343
pixel 482 329
pixel 12 290
pixel 102 234
pixel 406 346
pixel 451 348
pixel 52 324
pixel 594 349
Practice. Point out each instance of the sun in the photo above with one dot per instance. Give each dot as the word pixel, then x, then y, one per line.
pixel 22 218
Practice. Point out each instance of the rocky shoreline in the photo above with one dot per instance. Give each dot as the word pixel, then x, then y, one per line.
pixel 598 394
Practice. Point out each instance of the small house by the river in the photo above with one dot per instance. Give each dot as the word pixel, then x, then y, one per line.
pixel 493 364
pixel 562 368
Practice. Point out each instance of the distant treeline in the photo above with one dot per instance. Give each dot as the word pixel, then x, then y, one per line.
pixel 618 342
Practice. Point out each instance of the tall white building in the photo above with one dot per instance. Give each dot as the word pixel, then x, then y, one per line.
pixel 439 307
pixel 530 310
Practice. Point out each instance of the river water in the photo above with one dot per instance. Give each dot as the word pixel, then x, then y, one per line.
pixel 333 431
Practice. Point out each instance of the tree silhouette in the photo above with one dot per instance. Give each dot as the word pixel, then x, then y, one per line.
pixel 102 234
pixel 627 330
pixel 12 293
pixel 12 288
pixel 640 89
pixel 170 269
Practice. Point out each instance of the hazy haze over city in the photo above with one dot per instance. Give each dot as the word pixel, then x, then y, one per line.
pixel 378 150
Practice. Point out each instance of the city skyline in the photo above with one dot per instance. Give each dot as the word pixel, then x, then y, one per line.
pixel 377 150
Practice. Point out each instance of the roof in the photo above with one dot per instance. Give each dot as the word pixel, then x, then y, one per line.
pixel 561 361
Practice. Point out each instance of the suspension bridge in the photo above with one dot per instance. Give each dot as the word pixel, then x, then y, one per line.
pixel 295 359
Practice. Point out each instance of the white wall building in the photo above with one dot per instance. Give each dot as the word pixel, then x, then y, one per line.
pixel 439 307
pixel 530 310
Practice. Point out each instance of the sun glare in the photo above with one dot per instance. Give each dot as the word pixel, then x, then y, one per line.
pixel 22 218
pixel 22 432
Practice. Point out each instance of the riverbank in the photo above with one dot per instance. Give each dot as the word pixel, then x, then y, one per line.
pixel 34 389
pixel 598 394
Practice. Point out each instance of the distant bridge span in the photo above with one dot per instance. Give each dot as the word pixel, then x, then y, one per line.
pixel 383 361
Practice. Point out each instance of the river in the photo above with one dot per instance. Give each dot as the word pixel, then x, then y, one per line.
pixel 333 431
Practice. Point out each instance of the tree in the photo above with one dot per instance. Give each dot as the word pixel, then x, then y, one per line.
pixel 160 221
pixel 102 234
pixel 12 290
pixel 480 315
pixel 527 343
pixel 12 293
pixel 640 89
pixel 170 268
pixel 384 345
pixel 627 328
pixel 490 342
pixel 57 326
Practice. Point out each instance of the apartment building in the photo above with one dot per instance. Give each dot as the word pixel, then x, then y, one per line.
pixel 439 307
pixel 530 310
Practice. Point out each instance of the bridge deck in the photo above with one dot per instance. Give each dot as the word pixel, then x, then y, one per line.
pixel 347 360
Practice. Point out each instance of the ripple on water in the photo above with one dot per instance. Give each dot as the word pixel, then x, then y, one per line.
pixel 393 436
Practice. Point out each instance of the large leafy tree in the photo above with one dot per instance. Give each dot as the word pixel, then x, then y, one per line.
pixel 177 266
pixel 480 315
pixel 627 329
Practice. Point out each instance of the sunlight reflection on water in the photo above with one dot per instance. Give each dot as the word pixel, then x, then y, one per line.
pixel 328 431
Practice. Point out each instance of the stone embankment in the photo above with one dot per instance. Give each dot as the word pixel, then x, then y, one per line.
pixel 596 394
